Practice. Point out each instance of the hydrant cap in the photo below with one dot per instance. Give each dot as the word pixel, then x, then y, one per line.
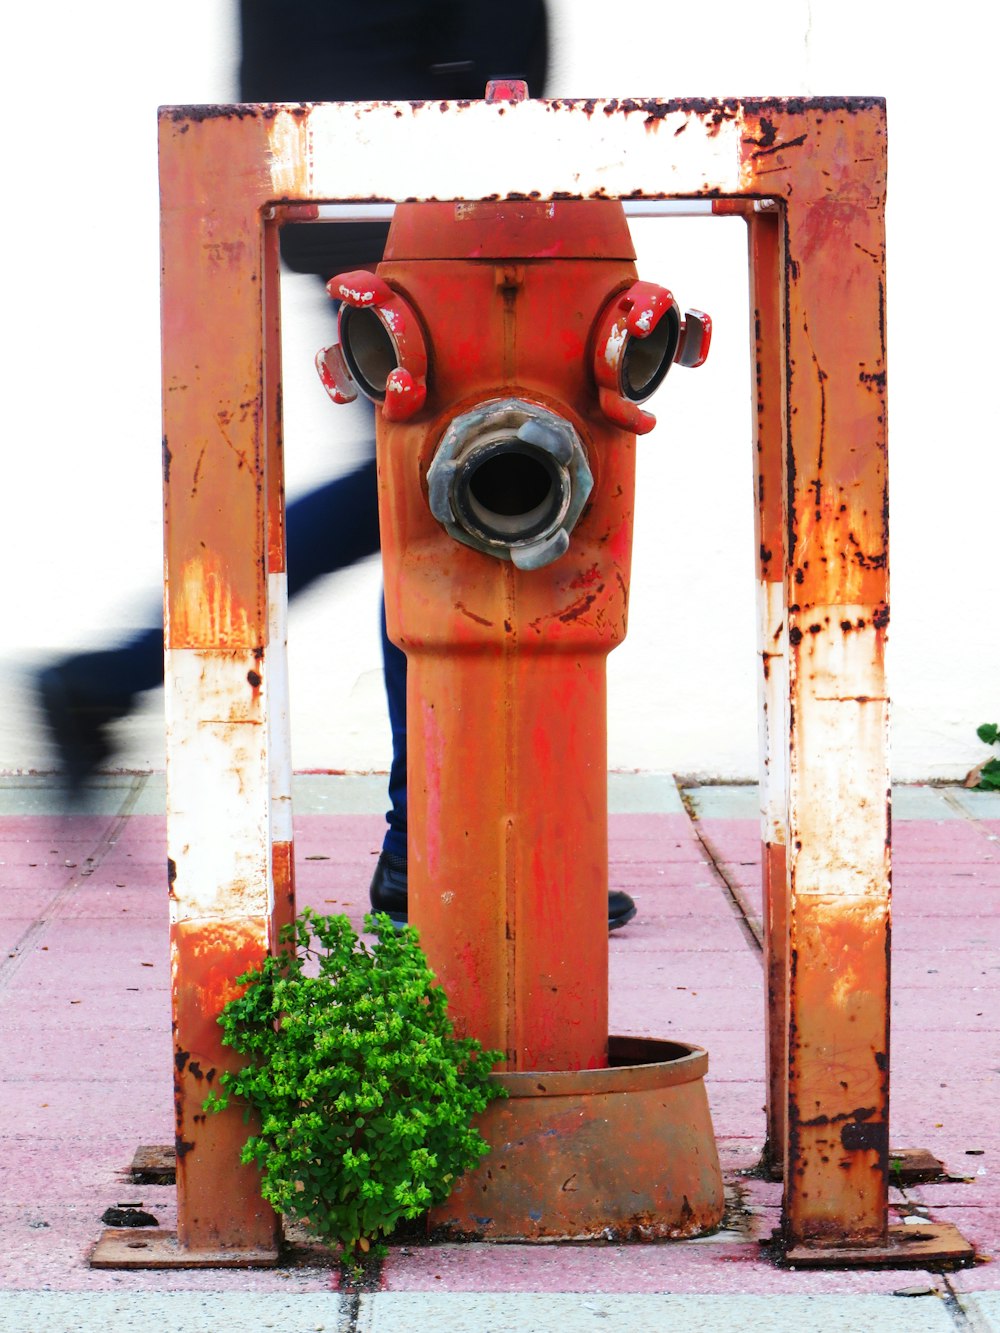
pixel 499 229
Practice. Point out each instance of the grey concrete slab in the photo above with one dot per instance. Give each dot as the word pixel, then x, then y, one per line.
pixel 152 796
pixel 180 1312
pixel 643 793
pixel 487 1312
pixel 49 794
pixel 979 804
pixel 479 1312
pixel 920 802
pixel 365 793
pixel 983 1310
pixel 909 801
pixel 725 802
pixel 339 793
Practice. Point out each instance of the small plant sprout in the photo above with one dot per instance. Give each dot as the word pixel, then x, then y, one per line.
pixel 986 775
pixel 364 1096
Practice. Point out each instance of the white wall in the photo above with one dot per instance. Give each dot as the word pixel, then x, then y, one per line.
pixel 80 491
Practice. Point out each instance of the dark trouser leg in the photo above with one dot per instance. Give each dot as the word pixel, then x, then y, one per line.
pixel 328 529
pixel 395 688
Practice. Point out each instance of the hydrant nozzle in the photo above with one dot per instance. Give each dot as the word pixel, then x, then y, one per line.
pixel 510 478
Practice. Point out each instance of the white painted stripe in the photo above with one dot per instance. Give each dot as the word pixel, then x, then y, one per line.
pixel 772 696
pixel 633 208
pixel 217 790
pixel 401 151
pixel 278 719
pixel 839 814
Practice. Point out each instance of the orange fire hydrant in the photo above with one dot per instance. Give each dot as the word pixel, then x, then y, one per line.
pixel 509 345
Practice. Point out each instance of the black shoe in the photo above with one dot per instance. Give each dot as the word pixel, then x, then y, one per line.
pixel 621 909
pixel 77 726
pixel 388 894
pixel 388 888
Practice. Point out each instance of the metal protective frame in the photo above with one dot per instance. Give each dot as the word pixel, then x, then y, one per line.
pixel 229 176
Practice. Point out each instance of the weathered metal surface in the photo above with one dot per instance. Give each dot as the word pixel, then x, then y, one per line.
pixel 207 957
pixel 937 1243
pixel 154 1164
pixel 599 147
pixel 768 342
pixel 217 784
pixel 912 1166
pixel 829 166
pixel 224 533
pixel 124 1248
pixel 506 666
pixel 620 1153
pixel 279 751
pixel 403 390
pixel 820 163
pixel 508 654
pixel 642 309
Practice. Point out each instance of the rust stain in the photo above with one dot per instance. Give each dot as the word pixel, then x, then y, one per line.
pixel 480 620
pixel 202 609
pixel 283 873
pixel 581 607
pixel 219 1203
pixel 830 220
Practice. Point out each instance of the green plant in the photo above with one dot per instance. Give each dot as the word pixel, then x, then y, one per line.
pixel 986 774
pixel 363 1093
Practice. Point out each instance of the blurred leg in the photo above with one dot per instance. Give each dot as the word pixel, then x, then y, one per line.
pixel 395 689
pixel 81 695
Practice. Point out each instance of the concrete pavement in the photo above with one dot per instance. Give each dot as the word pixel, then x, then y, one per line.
pixel 86 1075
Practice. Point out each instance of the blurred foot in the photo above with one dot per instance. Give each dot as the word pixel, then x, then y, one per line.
pixel 388 894
pixel 621 909
pixel 78 726
pixel 388 888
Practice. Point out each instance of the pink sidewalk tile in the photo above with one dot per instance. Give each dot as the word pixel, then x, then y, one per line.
pixel 968 1009
pixel 59 1108
pixel 17 904
pixel 104 1053
pixel 945 969
pixel 934 935
pixel 705 1266
pixel 84 1083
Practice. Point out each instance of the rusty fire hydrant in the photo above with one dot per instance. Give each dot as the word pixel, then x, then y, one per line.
pixel 508 347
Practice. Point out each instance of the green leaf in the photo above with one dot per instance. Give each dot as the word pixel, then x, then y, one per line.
pixel 989 732
pixel 360 1094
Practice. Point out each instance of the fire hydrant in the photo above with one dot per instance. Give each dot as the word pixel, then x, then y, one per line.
pixel 508 346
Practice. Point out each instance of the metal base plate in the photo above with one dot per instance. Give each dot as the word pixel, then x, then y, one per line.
pixel 907 1166
pixel 144 1247
pixel 907 1247
pixel 913 1166
pixel 154 1164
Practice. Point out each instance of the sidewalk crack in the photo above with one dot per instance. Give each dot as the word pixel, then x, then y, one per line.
pixel 742 910
pixel 39 928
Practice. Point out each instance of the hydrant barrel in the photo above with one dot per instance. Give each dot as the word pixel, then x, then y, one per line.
pixel 506 637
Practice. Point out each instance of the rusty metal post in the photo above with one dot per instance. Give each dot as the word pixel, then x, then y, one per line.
pixel 818 266
pixel 826 854
pixel 224 560
pixel 279 732
pixel 767 333
pixel 836 1165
